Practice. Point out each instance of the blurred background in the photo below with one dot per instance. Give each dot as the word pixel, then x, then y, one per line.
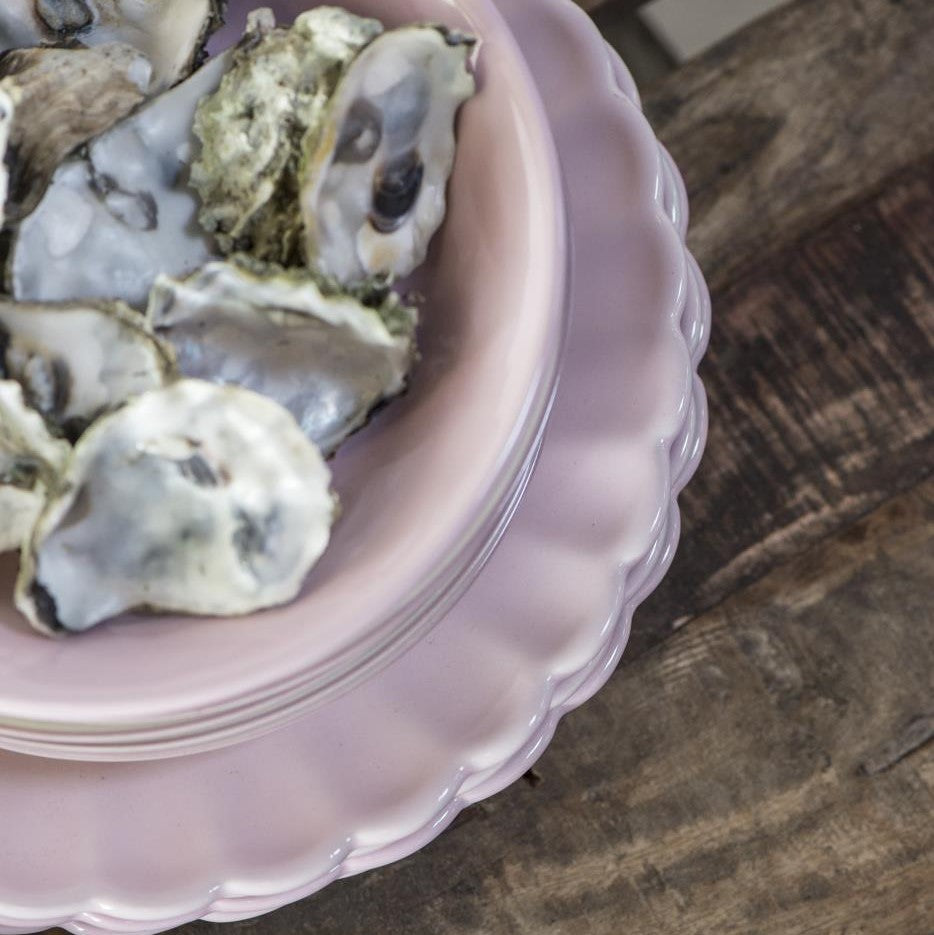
pixel 656 36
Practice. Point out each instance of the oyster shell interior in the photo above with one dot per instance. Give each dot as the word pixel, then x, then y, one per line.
pixel 61 99
pixel 121 212
pixel 324 355
pixel 191 499
pixel 277 89
pixel 375 170
pixel 31 460
pixel 76 361
pixel 170 33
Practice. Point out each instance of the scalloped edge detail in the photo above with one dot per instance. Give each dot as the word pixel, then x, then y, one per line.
pixel 684 448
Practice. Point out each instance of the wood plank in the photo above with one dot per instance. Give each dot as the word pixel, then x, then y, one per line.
pixel 767 771
pixel 781 125
pixel 821 390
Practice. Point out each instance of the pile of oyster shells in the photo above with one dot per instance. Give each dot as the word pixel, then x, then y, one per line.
pixel 197 260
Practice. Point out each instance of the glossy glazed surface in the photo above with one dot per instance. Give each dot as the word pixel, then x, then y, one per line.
pixel 423 487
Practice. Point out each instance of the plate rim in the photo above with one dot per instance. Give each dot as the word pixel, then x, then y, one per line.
pixel 682 450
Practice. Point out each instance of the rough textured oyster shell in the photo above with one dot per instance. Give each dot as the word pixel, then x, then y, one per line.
pixel 326 356
pixel 76 362
pixel 251 130
pixel 119 213
pixel 30 461
pixel 62 98
pixel 7 110
pixel 375 170
pixel 332 142
pixel 191 499
pixel 170 33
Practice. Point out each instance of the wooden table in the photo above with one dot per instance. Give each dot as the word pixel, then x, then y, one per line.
pixel 761 762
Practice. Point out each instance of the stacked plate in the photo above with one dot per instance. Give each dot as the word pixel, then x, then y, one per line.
pixel 417 673
pixel 426 491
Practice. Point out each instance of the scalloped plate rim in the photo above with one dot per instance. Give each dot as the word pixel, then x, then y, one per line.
pixel 224 904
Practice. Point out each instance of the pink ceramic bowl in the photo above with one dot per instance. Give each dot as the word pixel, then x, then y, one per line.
pixel 427 489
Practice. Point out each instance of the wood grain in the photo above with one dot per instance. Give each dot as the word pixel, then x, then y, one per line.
pixel 762 772
pixel 778 127
pixel 821 383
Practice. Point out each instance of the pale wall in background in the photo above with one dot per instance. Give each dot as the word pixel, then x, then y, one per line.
pixel 688 27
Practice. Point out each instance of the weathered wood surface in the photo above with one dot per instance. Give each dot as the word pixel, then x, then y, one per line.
pixel 821 384
pixel 767 767
pixel 765 771
pixel 800 113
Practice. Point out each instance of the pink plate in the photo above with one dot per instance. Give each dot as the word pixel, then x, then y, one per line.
pixel 424 488
pixel 379 772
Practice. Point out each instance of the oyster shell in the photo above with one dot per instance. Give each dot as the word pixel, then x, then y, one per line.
pixel 30 462
pixel 191 499
pixel 332 142
pixel 251 130
pixel 324 355
pixel 61 98
pixel 119 213
pixel 7 110
pixel 76 362
pixel 170 33
pixel 375 170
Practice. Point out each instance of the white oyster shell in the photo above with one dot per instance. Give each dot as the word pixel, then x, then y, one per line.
pixel 325 356
pixel 30 461
pixel 76 362
pixel 251 130
pixel 375 171
pixel 170 33
pixel 191 499
pixel 61 98
pixel 118 214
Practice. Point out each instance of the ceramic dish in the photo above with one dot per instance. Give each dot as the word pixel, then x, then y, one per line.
pixel 376 774
pixel 426 488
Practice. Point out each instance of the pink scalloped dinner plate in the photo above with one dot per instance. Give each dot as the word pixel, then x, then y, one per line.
pixel 425 488
pixel 378 772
